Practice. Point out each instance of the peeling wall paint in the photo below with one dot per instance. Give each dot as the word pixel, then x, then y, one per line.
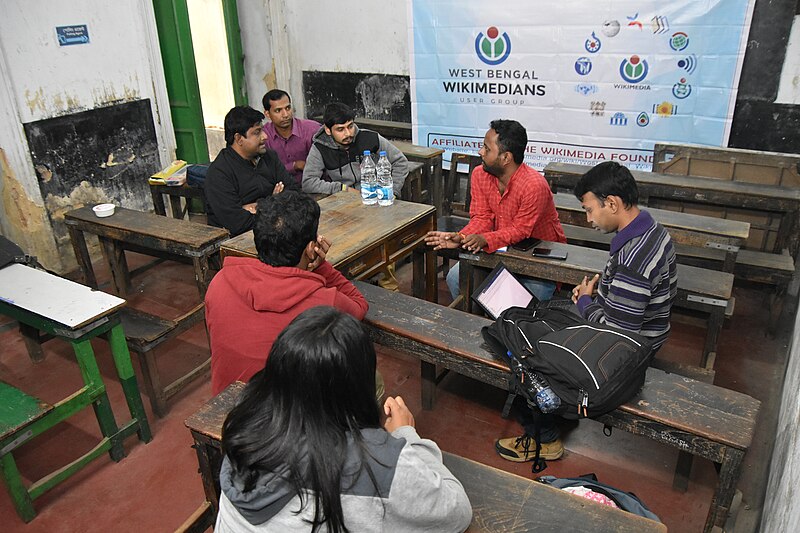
pixel 29 227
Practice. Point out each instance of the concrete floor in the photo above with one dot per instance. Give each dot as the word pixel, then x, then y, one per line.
pixel 156 487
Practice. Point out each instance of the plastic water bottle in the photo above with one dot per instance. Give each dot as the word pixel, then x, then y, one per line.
pixel 368 180
pixel 547 400
pixel 385 184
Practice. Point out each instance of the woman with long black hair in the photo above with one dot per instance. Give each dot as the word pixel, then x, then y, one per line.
pixel 305 450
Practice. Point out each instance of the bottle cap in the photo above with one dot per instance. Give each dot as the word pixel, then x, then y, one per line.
pixel 382 153
pixel 366 152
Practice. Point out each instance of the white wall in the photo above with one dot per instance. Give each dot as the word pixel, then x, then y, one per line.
pixel 781 509
pixel 257 47
pixel 344 36
pixel 42 80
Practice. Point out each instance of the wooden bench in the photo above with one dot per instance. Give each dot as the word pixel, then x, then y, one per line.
pixel 725 237
pixel 159 236
pixel 766 169
pixel 702 193
pixel 769 263
pixel 707 291
pixel 501 502
pixel 695 417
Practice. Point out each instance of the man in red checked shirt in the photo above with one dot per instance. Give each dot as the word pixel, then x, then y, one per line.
pixel 510 202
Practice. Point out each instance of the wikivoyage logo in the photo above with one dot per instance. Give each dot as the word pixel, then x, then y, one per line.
pixel 492 48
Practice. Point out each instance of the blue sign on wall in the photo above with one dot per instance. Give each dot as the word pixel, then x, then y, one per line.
pixel 68 35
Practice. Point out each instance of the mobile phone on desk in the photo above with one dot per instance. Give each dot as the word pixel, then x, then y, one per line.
pixel 549 254
pixel 526 244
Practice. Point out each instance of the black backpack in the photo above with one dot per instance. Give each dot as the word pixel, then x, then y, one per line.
pixel 593 368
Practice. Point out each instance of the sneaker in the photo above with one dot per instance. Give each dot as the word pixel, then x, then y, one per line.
pixel 523 448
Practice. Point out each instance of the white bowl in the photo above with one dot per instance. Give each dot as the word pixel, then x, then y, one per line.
pixel 103 210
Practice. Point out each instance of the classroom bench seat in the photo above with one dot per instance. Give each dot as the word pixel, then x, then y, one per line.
pixel 695 417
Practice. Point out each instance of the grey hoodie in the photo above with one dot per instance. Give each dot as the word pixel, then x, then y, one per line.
pixel 415 492
pixel 318 179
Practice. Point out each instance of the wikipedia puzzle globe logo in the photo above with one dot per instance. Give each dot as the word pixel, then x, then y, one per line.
pixel 491 47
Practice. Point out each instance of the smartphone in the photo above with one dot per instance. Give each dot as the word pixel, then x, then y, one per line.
pixel 526 244
pixel 548 253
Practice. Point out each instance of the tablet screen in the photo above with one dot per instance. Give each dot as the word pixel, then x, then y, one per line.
pixel 500 291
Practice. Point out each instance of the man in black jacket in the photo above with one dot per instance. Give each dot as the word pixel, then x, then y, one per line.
pixel 244 172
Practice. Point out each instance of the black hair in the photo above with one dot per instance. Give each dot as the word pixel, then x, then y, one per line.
pixel 285 223
pixel 511 137
pixel 609 179
pixel 316 390
pixel 273 96
pixel 337 113
pixel 240 119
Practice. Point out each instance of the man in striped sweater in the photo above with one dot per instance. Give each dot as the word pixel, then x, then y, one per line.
pixel 635 291
pixel 639 282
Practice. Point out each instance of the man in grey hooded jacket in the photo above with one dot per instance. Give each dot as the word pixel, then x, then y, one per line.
pixel 334 161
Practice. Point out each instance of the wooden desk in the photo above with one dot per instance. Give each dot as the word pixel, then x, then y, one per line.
pixel 143 232
pixel 367 238
pixel 504 502
pixel 159 236
pixel 703 290
pixel 76 314
pixel 782 200
pixel 432 179
pixel 684 228
pixel 500 501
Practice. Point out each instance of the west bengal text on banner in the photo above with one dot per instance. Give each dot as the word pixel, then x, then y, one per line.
pixel 590 82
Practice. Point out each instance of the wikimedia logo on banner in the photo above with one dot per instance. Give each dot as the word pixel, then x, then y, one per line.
pixel 492 48
pixel 633 69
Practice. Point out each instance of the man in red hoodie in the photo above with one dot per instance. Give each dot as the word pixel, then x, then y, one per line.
pixel 250 301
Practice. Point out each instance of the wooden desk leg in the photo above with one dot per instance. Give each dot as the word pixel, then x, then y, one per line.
pixel 435 184
pixel 127 378
pixel 176 207
pixel 115 257
pixel 730 469
pixel 102 407
pixel 20 496
pixel 715 321
pixel 465 271
pixel 729 263
pixel 33 342
pixel 428 385
pixel 424 276
pixel 201 274
pixel 82 256
pixel 158 202
pixel 209 460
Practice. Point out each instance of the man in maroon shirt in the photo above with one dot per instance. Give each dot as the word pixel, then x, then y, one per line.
pixel 290 137
pixel 510 202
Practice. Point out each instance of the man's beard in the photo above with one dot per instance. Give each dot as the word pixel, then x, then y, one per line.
pixel 493 170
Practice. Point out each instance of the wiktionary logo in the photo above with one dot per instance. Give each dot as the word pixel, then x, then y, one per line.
pixel 492 48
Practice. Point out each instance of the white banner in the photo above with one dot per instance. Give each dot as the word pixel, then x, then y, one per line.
pixel 590 82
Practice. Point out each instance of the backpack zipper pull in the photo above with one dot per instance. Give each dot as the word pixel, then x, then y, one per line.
pixel 584 403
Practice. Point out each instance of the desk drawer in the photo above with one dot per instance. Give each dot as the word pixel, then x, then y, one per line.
pixel 404 242
pixel 365 265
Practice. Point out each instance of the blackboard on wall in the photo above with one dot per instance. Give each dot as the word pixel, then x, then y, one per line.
pixel 377 96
